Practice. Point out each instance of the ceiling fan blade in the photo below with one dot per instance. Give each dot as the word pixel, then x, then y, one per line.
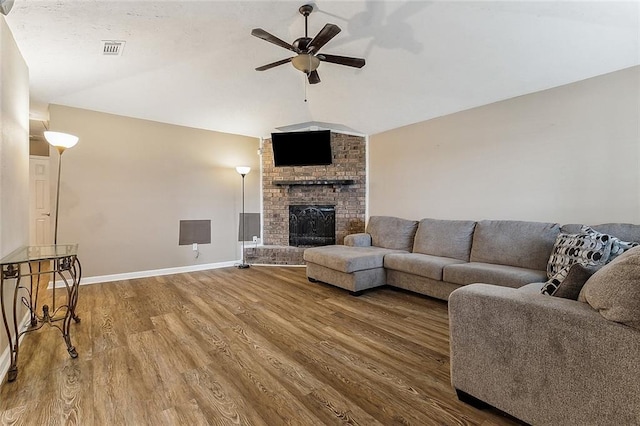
pixel 273 64
pixel 260 33
pixel 342 60
pixel 327 33
pixel 314 77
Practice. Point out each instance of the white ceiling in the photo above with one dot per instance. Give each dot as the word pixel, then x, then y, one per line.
pixel 192 63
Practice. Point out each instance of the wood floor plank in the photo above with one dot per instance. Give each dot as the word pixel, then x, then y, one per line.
pixel 220 401
pixel 119 395
pixel 333 408
pixel 73 384
pixel 180 344
pixel 275 403
pixel 186 414
pixel 260 346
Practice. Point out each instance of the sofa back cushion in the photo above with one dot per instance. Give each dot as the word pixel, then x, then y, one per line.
pixel 614 290
pixel 392 232
pixel 623 231
pixel 445 238
pixel 514 243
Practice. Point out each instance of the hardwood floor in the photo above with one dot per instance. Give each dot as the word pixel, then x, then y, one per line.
pixel 259 346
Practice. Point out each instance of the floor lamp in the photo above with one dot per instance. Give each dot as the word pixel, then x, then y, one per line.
pixel 61 141
pixel 243 170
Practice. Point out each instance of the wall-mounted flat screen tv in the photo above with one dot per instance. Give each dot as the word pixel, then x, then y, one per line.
pixel 302 148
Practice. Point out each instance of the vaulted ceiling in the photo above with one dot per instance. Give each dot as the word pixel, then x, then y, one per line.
pixel 192 63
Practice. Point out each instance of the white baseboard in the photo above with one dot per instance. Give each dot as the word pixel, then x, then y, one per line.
pixel 5 359
pixel 280 266
pixel 146 274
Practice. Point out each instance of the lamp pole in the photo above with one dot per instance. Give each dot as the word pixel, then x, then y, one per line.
pixel 61 141
pixel 243 170
pixel 55 228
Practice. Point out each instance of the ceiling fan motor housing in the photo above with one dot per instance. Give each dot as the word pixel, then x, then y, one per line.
pixel 302 43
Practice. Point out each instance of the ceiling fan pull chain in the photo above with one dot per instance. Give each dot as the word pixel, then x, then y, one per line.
pixel 305 88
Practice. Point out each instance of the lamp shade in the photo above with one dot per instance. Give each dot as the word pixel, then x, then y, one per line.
pixel 243 170
pixel 60 140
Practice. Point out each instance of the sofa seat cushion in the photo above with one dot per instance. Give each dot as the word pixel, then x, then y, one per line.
pixel 532 288
pixel 476 272
pixel 445 238
pixel 347 259
pixel 418 264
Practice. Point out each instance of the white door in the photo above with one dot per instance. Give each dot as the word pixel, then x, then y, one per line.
pixel 39 201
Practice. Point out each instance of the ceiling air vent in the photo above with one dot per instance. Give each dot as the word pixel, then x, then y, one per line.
pixel 112 47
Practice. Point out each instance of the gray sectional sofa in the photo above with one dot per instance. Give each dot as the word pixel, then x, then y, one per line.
pixel 435 257
pixel 542 359
pixel 552 360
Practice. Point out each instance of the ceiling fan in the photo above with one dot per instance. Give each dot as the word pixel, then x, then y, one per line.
pixel 308 59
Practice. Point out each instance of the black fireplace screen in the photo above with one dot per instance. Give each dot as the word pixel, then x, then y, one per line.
pixel 312 225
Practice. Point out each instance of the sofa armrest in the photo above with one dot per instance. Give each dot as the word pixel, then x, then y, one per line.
pixel 358 240
pixel 543 359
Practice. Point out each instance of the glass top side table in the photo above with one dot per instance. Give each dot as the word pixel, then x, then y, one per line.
pixel 66 272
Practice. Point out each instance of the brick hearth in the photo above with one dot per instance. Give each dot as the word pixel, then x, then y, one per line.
pixel 342 184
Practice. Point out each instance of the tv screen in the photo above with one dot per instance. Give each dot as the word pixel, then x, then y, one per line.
pixel 302 148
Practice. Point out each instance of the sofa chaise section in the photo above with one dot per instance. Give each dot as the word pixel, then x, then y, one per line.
pixel 359 264
pixel 351 268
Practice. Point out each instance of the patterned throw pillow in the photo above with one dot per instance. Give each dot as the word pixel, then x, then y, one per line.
pixel 585 248
pixel 590 248
pixel 617 245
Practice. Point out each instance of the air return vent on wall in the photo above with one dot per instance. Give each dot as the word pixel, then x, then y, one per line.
pixel 112 47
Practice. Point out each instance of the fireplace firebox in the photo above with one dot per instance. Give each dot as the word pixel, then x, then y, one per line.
pixel 312 225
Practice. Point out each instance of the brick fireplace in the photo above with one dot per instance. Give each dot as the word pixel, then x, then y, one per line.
pixel 340 185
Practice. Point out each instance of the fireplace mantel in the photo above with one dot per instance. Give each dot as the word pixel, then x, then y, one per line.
pixel 314 182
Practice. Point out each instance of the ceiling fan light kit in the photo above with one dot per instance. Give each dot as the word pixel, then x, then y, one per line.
pixel 307 58
pixel 305 63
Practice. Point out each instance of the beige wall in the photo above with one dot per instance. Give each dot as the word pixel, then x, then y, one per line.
pixel 568 154
pixel 14 152
pixel 128 183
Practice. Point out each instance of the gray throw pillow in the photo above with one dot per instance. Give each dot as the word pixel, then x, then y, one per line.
pixel 568 282
pixel 615 289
